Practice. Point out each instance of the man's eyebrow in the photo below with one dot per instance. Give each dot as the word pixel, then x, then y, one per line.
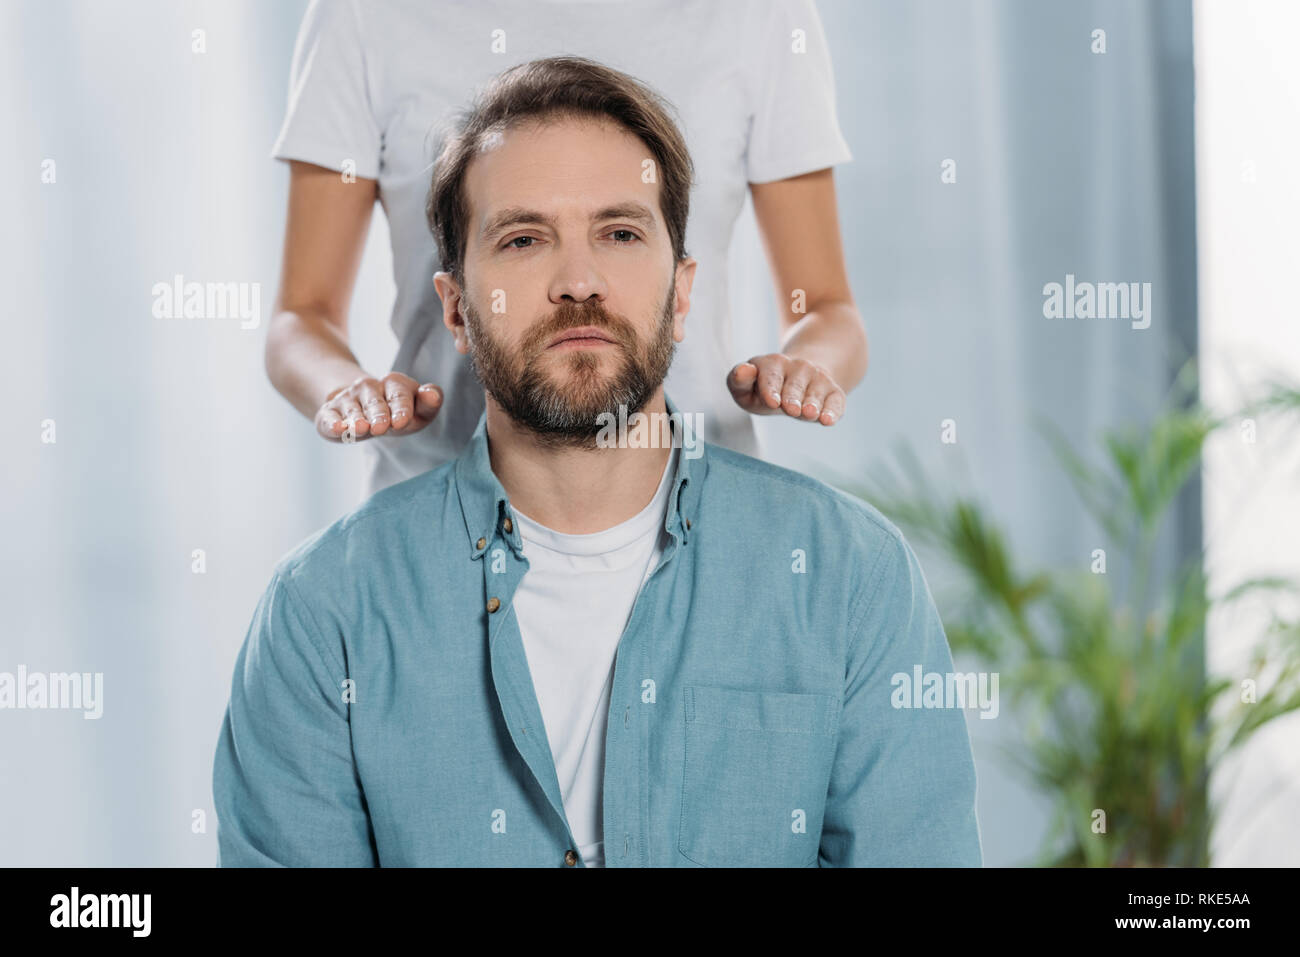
pixel 514 216
pixel 520 216
pixel 633 211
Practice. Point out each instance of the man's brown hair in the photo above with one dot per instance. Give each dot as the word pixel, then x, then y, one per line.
pixel 558 87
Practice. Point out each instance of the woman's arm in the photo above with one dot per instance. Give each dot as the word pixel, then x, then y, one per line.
pixel 824 346
pixel 307 355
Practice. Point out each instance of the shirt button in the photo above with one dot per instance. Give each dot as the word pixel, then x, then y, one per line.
pixel 688 524
pixel 481 543
pixel 570 858
pixel 510 526
pixel 493 604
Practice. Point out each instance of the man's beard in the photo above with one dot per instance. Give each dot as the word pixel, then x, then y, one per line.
pixel 564 407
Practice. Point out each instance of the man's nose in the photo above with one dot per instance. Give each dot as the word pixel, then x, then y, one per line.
pixel 577 278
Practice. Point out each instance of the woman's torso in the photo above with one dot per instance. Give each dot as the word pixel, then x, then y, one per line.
pixel 693 53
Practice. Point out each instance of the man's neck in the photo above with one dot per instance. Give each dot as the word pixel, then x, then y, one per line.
pixel 576 491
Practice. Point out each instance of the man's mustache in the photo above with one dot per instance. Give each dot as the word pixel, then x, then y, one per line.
pixel 573 316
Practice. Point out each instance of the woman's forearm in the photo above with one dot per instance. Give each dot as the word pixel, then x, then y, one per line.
pixel 307 357
pixel 831 334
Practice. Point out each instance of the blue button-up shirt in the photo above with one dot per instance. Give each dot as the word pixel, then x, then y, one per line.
pixel 382 711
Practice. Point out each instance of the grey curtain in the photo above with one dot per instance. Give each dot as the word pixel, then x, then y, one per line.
pixel 170 440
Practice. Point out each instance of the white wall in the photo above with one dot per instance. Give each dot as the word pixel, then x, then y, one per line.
pixel 1248 208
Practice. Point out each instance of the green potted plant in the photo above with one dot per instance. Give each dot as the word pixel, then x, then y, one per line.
pixel 1122 725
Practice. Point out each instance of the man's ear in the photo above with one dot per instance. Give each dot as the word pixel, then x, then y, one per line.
pixel 683 278
pixel 449 292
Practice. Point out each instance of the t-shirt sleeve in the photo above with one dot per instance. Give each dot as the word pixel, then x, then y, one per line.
pixel 331 116
pixel 794 126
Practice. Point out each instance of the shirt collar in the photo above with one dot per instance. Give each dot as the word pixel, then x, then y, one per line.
pixel 486 506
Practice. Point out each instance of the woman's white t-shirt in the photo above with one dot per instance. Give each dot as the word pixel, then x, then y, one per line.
pixel 375 85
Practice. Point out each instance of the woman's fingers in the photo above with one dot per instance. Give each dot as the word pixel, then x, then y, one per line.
pixel 372 407
pixel 771 376
pixel 833 408
pixel 353 417
pixel 792 391
pixel 428 400
pixel 370 394
pixel 413 408
pixel 823 400
pixel 756 384
pixel 777 384
pixel 401 400
pixel 329 423
pixel 740 381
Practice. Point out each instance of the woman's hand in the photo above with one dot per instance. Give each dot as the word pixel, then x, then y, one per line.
pixel 372 406
pixel 776 384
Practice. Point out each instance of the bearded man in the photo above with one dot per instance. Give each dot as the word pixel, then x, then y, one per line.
pixel 561 651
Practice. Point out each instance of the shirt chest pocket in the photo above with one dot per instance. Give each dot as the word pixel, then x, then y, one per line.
pixel 756 769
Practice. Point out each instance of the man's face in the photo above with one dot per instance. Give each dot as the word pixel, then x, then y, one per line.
pixel 564 234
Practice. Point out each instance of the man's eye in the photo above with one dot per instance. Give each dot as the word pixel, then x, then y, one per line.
pixel 631 235
pixel 511 244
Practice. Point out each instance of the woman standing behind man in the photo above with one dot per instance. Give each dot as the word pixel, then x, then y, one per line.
pixel 373 84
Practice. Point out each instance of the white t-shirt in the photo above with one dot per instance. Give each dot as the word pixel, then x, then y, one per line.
pixel 572 606
pixel 374 83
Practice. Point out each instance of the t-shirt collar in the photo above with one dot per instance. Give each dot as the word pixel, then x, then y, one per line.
pixel 486 506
